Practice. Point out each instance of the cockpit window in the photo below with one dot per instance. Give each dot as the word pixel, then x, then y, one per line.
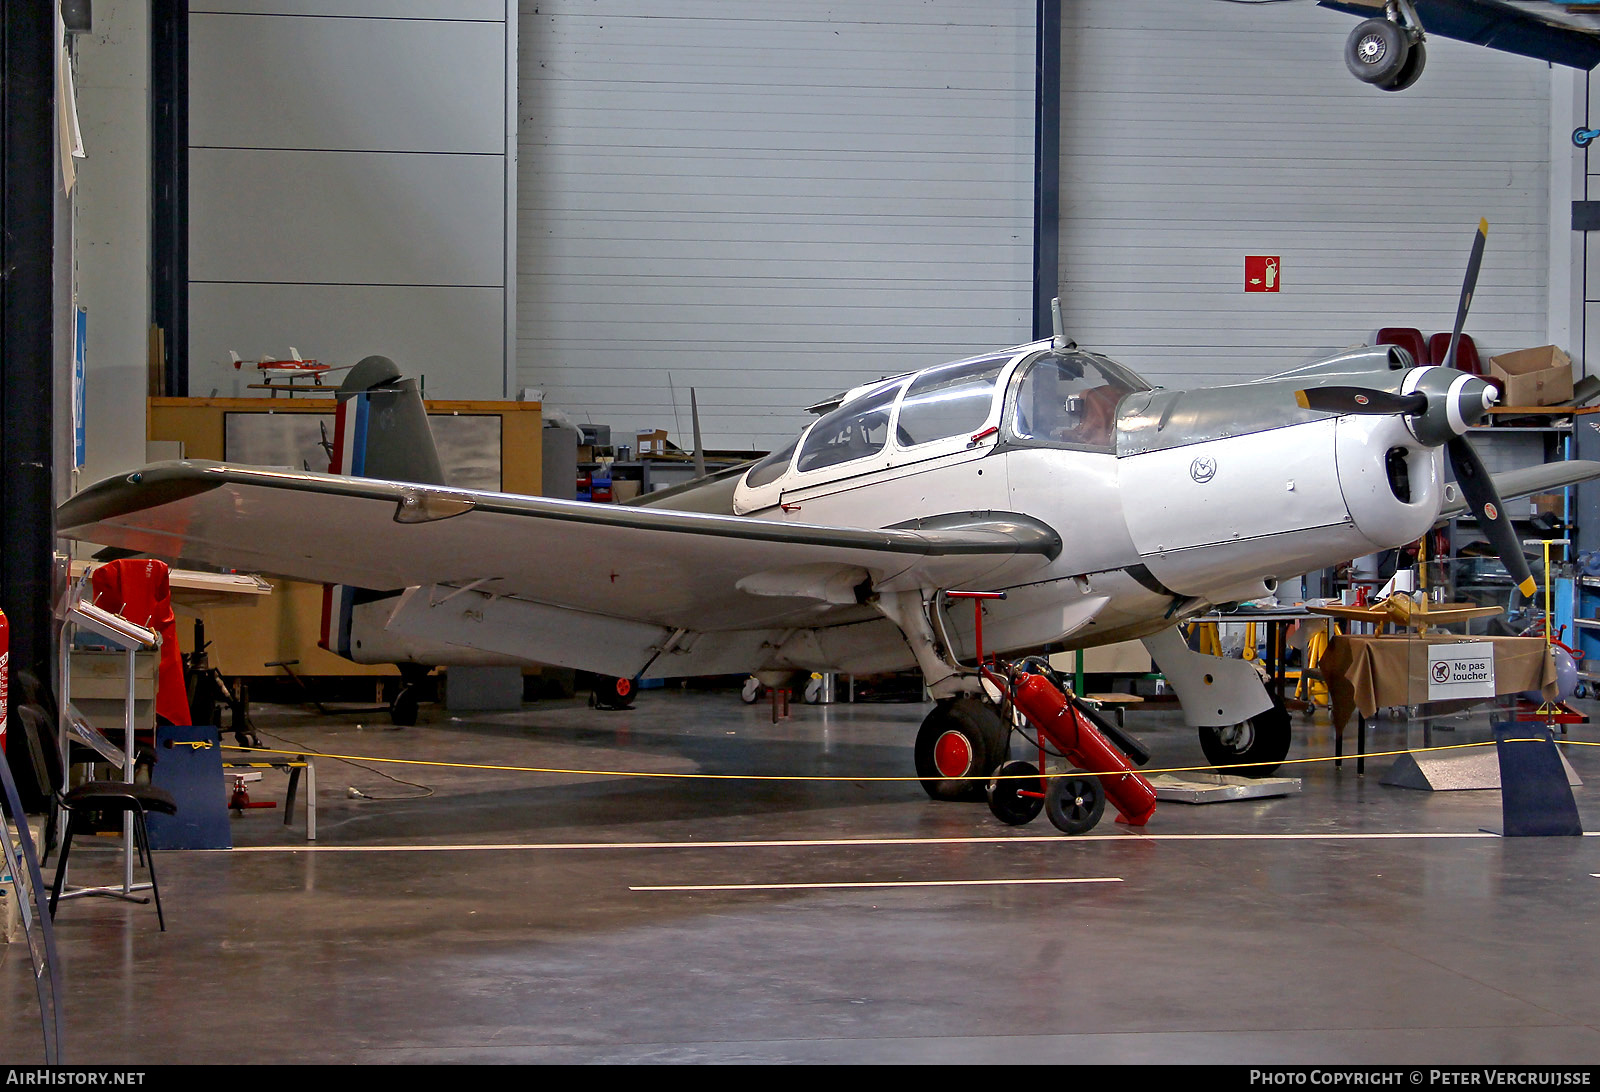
pixel 1071 398
pixel 771 468
pixel 853 431
pixel 948 401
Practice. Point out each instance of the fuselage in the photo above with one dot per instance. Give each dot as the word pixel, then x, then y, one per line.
pixel 1167 501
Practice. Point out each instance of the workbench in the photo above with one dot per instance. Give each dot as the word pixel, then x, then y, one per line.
pixel 1365 674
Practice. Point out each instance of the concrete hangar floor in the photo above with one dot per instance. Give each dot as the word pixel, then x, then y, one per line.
pixel 499 916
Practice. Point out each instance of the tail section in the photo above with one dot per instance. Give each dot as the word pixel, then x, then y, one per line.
pixel 380 431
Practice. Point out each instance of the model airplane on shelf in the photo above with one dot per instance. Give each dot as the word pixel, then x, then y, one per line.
pixel 1103 508
pixel 292 368
pixel 1407 613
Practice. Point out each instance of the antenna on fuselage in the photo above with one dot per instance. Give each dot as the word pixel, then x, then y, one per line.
pixel 1060 341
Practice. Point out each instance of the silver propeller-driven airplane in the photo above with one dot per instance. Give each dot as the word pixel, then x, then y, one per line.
pixel 1105 510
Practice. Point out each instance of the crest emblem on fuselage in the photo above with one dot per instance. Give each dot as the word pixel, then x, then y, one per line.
pixel 1203 469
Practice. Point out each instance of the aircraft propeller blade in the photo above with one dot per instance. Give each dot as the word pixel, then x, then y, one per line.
pixel 1361 400
pixel 1479 492
pixel 1468 286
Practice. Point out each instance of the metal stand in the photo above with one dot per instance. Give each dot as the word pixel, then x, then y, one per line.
pixel 134 639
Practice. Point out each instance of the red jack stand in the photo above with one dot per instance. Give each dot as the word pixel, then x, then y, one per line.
pixel 241 799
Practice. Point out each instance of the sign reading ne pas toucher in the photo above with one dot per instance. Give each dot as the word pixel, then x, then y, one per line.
pixel 1464 670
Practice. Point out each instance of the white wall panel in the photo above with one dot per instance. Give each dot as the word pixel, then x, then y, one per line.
pixel 350 171
pixel 1196 134
pixel 486 10
pixel 347 217
pixel 357 84
pixel 767 203
pixel 450 336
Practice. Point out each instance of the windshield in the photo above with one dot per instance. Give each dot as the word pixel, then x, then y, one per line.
pixel 1071 399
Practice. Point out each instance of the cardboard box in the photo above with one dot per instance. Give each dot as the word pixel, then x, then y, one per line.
pixel 1533 377
pixel 1549 504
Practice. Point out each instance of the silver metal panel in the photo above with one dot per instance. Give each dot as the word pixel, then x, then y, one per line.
pixel 1455 772
pixel 767 204
pixel 356 84
pixel 1204 788
pixel 345 217
pixel 448 336
pixel 1182 153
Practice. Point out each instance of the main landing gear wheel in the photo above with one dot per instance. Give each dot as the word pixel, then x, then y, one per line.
pixel 1074 803
pixel 1263 738
pixel 1006 799
pixel 403 708
pixel 958 745
pixel 613 693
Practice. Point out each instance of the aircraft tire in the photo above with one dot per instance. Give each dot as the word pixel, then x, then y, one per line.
pixel 613 693
pixel 403 709
pixel 1263 738
pixel 1376 51
pixel 958 746
pixel 1006 801
pixel 1075 803
pixel 1410 71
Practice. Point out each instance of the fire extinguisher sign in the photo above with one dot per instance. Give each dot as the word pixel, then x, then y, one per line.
pixel 1261 273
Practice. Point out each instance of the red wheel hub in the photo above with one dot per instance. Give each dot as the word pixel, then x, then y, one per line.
pixel 952 754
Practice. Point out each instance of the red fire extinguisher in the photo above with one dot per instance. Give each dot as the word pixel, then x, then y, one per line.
pixel 1085 747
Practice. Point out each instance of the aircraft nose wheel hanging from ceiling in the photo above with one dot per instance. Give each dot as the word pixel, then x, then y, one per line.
pixel 1387 52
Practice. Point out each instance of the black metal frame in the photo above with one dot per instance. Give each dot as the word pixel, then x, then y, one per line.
pixel 28 187
pixel 169 187
pixel 1046 163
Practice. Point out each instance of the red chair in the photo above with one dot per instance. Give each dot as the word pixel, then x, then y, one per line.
pixel 1466 352
pixel 1408 338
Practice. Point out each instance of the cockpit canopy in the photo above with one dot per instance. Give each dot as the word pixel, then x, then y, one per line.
pixel 1057 399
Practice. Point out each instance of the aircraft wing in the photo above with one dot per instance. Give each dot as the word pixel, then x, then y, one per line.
pixel 668 568
pixel 1497 25
pixel 1524 482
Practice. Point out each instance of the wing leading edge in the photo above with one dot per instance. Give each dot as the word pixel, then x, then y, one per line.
pixel 670 568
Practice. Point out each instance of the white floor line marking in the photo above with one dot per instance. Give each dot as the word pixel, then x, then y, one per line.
pixel 883 883
pixel 797 843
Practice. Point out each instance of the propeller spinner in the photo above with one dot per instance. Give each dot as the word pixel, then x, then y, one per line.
pixel 1440 404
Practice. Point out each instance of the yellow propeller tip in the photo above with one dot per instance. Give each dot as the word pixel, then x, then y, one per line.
pixel 1528 587
pixel 1301 400
pixel 1483 225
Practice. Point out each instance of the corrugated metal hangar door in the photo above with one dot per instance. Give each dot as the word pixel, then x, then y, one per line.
pixel 1196 135
pixel 767 203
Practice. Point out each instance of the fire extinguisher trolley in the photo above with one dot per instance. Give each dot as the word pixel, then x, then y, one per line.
pixel 1064 726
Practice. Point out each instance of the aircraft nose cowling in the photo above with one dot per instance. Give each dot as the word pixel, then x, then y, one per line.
pixel 1456 401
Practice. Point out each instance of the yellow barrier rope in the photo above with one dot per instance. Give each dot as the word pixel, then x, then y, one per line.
pixel 860 779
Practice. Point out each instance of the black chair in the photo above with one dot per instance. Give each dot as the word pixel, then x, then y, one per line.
pixel 92 796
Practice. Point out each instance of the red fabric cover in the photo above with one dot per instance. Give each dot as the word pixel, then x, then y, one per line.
pixel 1408 338
pixel 1466 352
pixel 137 589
